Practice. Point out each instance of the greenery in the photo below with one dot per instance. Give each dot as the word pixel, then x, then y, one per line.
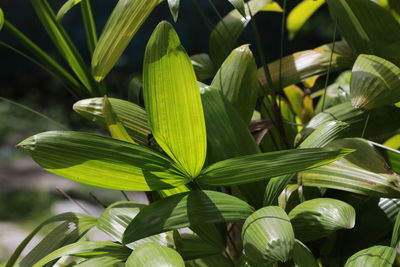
pixel 293 163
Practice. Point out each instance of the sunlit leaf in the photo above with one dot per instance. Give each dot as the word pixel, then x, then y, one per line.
pixel 1 19
pixel 324 134
pixel 68 5
pixel 372 257
pixel 300 14
pixel 87 248
pixel 101 261
pixel 239 5
pixel 154 255
pixel 237 79
pixel 115 127
pixel 183 210
pixel 374 82
pixel 132 116
pixel 272 7
pixel 268 236
pixel 393 142
pixel 320 217
pixel 125 20
pixel 102 161
pixel 295 96
pixel 257 167
pixel 173 100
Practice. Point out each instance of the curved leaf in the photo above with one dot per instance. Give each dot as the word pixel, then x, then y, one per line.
pixel 257 167
pixel 239 5
pixel 154 255
pixel 300 14
pixel 103 261
pixel 217 260
pixel 132 116
pixel 125 20
pixel 226 33
pixel 191 246
pixel 268 236
pixel 203 66
pixel 302 256
pixel 356 173
pixel 317 218
pixel 173 100
pixel 396 232
pixel 1 19
pixel 186 209
pixel 68 5
pixel 324 134
pixel 237 79
pixel 373 257
pixel 87 248
pixel 102 161
pixel 374 82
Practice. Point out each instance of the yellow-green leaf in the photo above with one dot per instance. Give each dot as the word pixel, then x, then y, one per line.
pixel 172 100
pixel 65 8
pixel 1 19
pixel 154 255
pixel 272 7
pixel 125 20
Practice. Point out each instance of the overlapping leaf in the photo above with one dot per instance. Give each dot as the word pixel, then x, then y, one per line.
pixel 173 100
pixel 374 256
pixel 302 256
pixel 102 161
pixel 154 255
pixel 125 20
pixel 183 210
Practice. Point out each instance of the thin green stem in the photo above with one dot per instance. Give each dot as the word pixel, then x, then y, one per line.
pixel 329 67
pixel 281 43
pixel 34 112
pixel 365 125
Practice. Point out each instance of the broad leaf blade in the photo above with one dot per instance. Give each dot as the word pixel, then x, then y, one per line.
pixel 115 127
pixel 173 100
pixel 203 66
pixel 257 167
pixel 237 79
pixel 101 261
pixel 102 161
pixel 396 232
pixel 239 5
pixel 300 14
pixel 302 256
pixel 87 248
pixel 191 246
pixel 125 20
pixel 183 210
pixel 324 134
pixel 374 256
pixel 154 255
pixel 268 236
pixel 374 82
pixel 132 116
pixel 317 218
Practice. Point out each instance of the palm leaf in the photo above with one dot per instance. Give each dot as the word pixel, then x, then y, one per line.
pixel 372 257
pixel 154 255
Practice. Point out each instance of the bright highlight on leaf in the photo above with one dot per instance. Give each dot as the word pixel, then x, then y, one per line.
pixel 300 14
pixel 173 102
pixel 272 7
pixel 65 8
pixel 1 19
pixel 102 161
pixel 124 22
pixel 174 8
pixel 154 255
pixel 374 82
pixel 239 5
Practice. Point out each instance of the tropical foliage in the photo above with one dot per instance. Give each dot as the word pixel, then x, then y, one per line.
pixel 246 165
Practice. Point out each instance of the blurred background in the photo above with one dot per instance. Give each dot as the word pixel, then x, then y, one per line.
pixel 29 195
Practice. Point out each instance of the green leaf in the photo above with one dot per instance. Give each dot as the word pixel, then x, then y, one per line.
pixel 373 257
pixel 60 236
pixel 103 261
pixel 69 217
pixel 64 44
pixel 268 236
pixel 154 255
pixel 306 64
pixel 226 33
pixel 115 127
pixel 392 156
pixel 102 161
pixel 300 14
pixel 114 220
pixel 295 97
pixel 123 23
pixel 173 100
pixel 174 8
pixel 237 79
pixel 239 5
pixel 191 246
pixel 324 134
pixel 274 188
pixel 367 27
pixel 1 19
pixel 203 66
pixel 217 260
pixel 355 173
pixel 374 82
pixel 68 5
pixel 186 209
pixel 132 116
pixel 317 218
pixel 302 256
pixel 379 123
pixel 87 248
pixel 396 232
pixel 90 25
pixel 257 167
